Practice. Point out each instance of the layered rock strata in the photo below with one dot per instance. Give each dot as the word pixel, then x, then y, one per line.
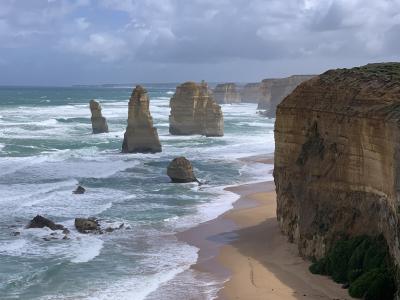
pixel 275 90
pixel 180 170
pixel 194 111
pixel 226 93
pixel 99 123
pixel 337 159
pixel 140 135
pixel 251 92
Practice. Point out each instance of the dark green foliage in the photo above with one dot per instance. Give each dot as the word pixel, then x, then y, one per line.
pixel 364 263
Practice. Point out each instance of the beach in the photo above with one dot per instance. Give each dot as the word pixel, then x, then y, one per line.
pixel 246 246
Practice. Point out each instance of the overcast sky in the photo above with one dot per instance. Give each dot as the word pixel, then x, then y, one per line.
pixel 63 42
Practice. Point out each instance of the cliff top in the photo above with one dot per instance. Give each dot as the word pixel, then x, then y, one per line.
pixel 371 91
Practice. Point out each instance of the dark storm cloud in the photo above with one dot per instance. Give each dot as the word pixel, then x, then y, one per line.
pixel 107 39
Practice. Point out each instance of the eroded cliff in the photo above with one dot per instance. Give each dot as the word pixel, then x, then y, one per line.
pixel 275 90
pixel 194 111
pixel 337 159
pixel 226 93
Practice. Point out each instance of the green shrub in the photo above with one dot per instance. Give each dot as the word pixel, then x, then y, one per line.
pixel 364 263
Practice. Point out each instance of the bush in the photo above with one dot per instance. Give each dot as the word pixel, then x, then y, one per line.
pixel 364 263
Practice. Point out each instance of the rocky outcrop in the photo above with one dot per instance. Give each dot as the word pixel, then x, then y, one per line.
pixel 226 93
pixel 180 170
pixel 337 159
pixel 41 222
pixel 87 225
pixel 99 123
pixel 194 111
pixel 79 190
pixel 251 92
pixel 140 135
pixel 275 90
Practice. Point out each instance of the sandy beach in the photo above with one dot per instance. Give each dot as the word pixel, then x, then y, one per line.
pixel 246 246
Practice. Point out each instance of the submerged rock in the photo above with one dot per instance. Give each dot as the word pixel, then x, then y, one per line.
pixel 226 93
pixel 79 190
pixel 140 135
pixel 99 123
pixel 41 222
pixel 337 159
pixel 275 90
pixel 87 225
pixel 180 170
pixel 194 111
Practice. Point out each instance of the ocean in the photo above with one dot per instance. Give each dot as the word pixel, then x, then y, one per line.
pixel 47 148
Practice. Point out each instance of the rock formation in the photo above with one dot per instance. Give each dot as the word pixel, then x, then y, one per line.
pixel 226 93
pixel 251 92
pixel 99 123
pixel 140 135
pixel 87 225
pixel 194 111
pixel 41 222
pixel 337 159
pixel 180 170
pixel 275 90
pixel 79 190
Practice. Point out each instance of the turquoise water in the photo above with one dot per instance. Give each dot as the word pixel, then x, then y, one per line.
pixel 46 149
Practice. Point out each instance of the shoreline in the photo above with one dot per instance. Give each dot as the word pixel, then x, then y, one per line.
pixel 245 248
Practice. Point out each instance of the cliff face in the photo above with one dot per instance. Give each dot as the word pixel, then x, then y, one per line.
pixel 99 123
pixel 337 158
pixel 226 93
pixel 275 90
pixel 194 111
pixel 251 92
pixel 140 135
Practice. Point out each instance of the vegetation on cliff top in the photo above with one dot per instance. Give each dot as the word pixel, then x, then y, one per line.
pixel 364 264
pixel 383 71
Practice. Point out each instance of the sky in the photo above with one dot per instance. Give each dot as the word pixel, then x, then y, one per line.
pixel 65 42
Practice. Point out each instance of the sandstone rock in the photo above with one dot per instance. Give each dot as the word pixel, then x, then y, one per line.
pixel 180 170
pixel 140 135
pixel 194 111
pixel 41 222
pixel 251 92
pixel 87 225
pixel 226 93
pixel 337 158
pixel 79 190
pixel 99 123
pixel 275 90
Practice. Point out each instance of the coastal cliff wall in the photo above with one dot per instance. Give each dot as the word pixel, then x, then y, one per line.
pixel 337 159
pixel 251 92
pixel 275 90
pixel 226 93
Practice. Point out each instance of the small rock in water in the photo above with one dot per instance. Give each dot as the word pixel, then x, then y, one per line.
pixel 180 170
pixel 87 225
pixel 40 222
pixel 79 190
pixel 15 233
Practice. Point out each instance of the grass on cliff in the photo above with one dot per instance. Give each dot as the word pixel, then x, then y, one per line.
pixel 364 264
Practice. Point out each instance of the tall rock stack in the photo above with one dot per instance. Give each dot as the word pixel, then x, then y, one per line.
pixel 194 111
pixel 275 90
pixel 140 135
pixel 337 159
pixel 226 93
pixel 99 123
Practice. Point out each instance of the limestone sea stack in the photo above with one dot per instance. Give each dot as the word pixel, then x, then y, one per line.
pixel 194 111
pixel 99 123
pixel 180 170
pixel 140 135
pixel 275 90
pixel 337 159
pixel 226 93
